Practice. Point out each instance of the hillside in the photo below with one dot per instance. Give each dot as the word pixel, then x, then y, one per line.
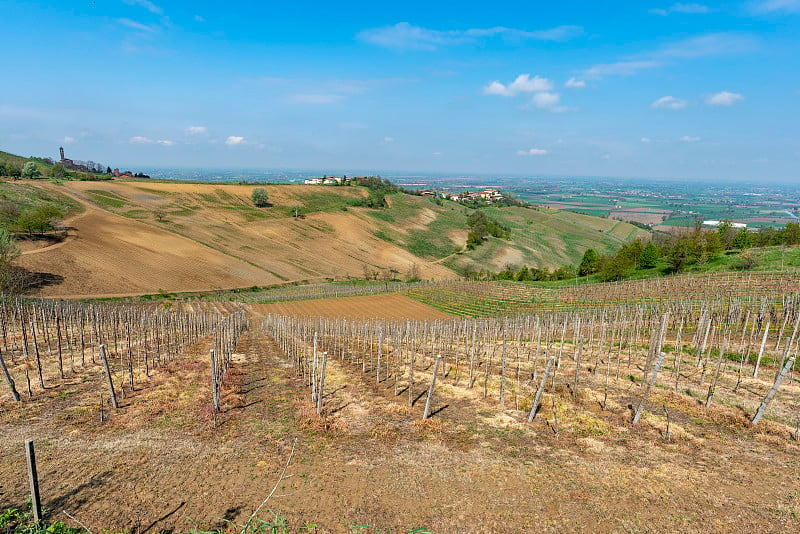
pixel 141 237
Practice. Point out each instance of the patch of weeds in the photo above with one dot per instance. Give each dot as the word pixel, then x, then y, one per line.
pixel 12 521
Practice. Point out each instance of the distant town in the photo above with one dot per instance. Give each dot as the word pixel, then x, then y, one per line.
pixel 489 195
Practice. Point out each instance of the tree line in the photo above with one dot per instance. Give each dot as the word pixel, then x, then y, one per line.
pixel 671 253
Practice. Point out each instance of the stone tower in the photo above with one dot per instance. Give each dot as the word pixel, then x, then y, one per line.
pixel 61 150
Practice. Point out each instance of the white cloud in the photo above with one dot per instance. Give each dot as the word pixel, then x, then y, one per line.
pixel 437 153
pixel 67 140
pixel 669 102
pixel 549 102
pixel 724 98
pixel 149 6
pixel 646 140
pixel 132 24
pixel 768 6
pixel 522 84
pixel 407 36
pixel 689 139
pixel 388 139
pixel 199 18
pixel 688 9
pixel 573 83
pixel 141 140
pixel 234 140
pixel 196 130
pixel 606 156
pixel 532 152
pixel 546 100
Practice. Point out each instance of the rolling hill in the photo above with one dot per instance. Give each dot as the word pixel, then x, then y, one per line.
pixel 138 237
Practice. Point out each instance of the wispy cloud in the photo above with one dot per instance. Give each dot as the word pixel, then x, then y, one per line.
pixel 296 90
pixel 142 140
pixel 687 9
pixel 669 102
pixel 532 152
pixel 724 98
pixel 234 140
pixel 407 36
pixel 710 45
pixel 646 140
pixel 196 130
pixel 522 84
pixel 619 68
pixel 132 24
pixel 549 102
pixel 690 139
pixel 315 98
pixel 149 6
pixel 769 6
pixel 199 18
pixel 574 83
pixel 388 139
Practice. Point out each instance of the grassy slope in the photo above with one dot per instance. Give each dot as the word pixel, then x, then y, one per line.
pixel 540 237
pixel 6 157
pixel 546 238
pixel 24 196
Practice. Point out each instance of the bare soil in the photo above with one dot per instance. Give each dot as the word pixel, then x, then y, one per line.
pixel 207 237
pixel 369 464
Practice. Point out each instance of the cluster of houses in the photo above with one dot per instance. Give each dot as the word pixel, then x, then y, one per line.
pixel 329 180
pixel 488 195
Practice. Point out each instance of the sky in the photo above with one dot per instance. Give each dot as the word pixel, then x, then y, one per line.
pixel 646 89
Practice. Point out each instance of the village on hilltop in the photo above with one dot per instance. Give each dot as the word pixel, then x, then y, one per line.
pixel 488 195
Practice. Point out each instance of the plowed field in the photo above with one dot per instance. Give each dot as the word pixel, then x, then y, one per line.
pixel 390 306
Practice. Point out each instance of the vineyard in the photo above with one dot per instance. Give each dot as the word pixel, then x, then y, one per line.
pixel 494 299
pixel 537 392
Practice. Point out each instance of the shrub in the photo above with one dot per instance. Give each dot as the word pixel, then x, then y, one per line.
pixel 260 197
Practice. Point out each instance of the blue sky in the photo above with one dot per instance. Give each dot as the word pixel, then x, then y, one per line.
pixel 637 89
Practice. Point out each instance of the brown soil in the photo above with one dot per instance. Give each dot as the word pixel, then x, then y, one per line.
pixel 370 465
pixel 118 251
pixel 390 306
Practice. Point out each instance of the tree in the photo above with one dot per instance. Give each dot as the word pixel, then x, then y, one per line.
pixel 743 239
pixel 30 170
pixel 649 257
pixel 260 197
pixel 590 263
pixel 524 274
pixel 9 251
pixel 791 233
pixel 57 171
pixel 726 232
pixel 15 171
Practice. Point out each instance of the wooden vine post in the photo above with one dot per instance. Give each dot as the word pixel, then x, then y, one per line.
pixel 427 412
pixel 33 480
pixel 9 380
pixel 109 378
